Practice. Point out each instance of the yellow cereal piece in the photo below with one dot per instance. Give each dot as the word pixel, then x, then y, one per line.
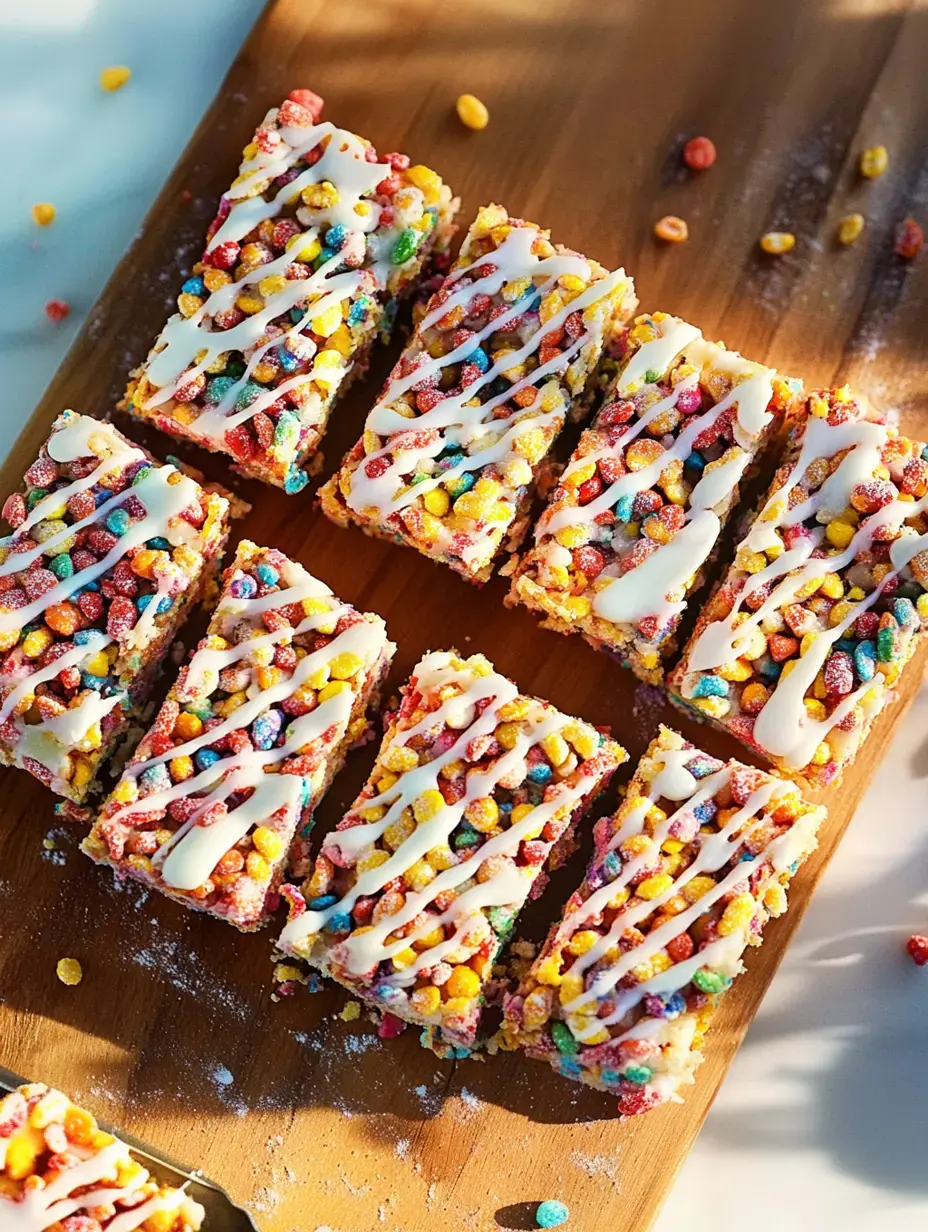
pixel 714 707
pixel 437 502
pixel 778 242
pixel 815 710
pixel 654 887
pixel 345 665
pixel 839 534
pixel 419 875
pixel 555 747
pixel 548 971
pixel 332 689
pixel 69 971
pixel 735 672
pixel 775 899
pixel 637 845
pixel 850 228
pixel 582 941
pixel 750 562
pixel 441 857
pixel 22 1152
pixel 531 444
pixel 43 214
pixel 268 842
pixel 427 181
pixel 483 814
pixel 39 640
pixel 471 111
pixel 822 754
pixel 737 915
pixel 284 972
pixel 832 587
pixel 190 304
pixel 508 735
pixel 399 831
pixel 571 986
pixel 425 1001
pixel 696 887
pixel 327 322
pixel 584 738
pixel 428 805
pixel 257 867
pixel 350 1011
pixel 304 249
pixel 322 196
pixel 463 982
pixel 182 768
pixel 114 78
pixel 249 304
pixel 214 279
pixel 873 161
pixel 572 536
pixel 579 475
pixel 404 958
pixel 520 812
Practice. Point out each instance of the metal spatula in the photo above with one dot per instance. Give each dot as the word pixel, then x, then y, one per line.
pixel 222 1214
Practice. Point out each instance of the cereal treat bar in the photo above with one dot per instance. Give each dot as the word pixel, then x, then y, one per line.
pixel 637 514
pixel 247 742
pixel 59 1171
pixel 504 351
pixel 311 250
pixel 682 879
pixel 417 889
pixel 798 650
pixel 109 549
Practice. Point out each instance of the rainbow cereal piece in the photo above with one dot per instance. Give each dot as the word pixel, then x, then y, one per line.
pixel 682 879
pixel 638 512
pixel 452 449
pixel 312 248
pixel 797 651
pixel 59 1171
pixel 247 742
pixel 418 888
pixel 109 549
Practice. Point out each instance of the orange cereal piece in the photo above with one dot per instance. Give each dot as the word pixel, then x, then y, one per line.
pixel 671 229
pixel 776 243
pixel 43 214
pixel 63 618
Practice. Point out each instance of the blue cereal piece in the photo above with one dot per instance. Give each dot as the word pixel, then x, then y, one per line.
pixel 194 286
pixel 905 614
pixel 296 481
pixel 243 587
pixel 266 729
pixel 155 778
pixel 541 772
pixel 702 766
pixel 639 1074
pixel 323 901
pixel 705 811
pixel 62 566
pixel 250 392
pixel 339 922
pixel 711 686
pixel 360 310
pixel 865 660
pixel 206 758
pixel 267 575
pixel 624 506
pixel 479 358
pixel 695 462
pixel 335 236
pixel 118 521
pixel 158 543
pixel 216 389
pixel 551 1214
pixel 287 429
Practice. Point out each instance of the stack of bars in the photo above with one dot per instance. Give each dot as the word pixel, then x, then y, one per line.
pixel 60 1172
pixel 313 247
pixel 247 742
pixel 108 553
pixel 682 879
pixel 503 354
pixel 475 788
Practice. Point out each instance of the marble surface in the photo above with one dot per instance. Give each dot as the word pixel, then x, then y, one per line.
pixel 825 1111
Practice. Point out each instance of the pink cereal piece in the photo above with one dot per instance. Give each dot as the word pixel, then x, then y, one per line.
pixel 41 474
pixel 309 99
pixel 390 1027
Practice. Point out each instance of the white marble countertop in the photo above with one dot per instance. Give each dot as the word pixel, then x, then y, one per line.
pixel 825 1111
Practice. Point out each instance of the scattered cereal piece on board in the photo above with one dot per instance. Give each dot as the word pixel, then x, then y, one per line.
pixel 351 1011
pixel 43 214
pixel 69 971
pixel 917 948
pixel 873 162
pixel 57 309
pixel 114 78
pixel 699 153
pixel 777 242
pixel 551 1214
pixel 909 240
pixel 850 228
pixel 471 111
pixel 672 229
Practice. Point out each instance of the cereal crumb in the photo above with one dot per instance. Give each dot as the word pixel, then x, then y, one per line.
pixel 114 78
pixel 43 214
pixel 778 242
pixel 551 1214
pixel 471 111
pixel 69 971
pixel 671 229
pixel 351 1011
pixel 873 161
pixel 917 948
pixel 57 309
pixel 699 153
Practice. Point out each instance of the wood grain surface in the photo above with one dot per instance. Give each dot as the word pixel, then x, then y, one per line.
pixel 173 1032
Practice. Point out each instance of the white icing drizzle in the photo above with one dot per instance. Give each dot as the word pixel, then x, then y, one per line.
pixel 363 952
pixel 784 728
pixel 188 858
pixel 188 345
pixel 39 1209
pixel 674 782
pixel 656 587
pixel 453 421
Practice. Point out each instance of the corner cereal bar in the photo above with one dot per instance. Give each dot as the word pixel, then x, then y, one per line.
pixel 451 450
pixel 682 879
pixel 58 1170
pixel 418 888
pixel 798 650
pixel 639 510
pixel 246 743
pixel 313 246
pixel 109 549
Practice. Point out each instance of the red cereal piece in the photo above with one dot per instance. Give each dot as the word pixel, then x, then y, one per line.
pixel 908 240
pixel 57 309
pixel 311 101
pixel 121 616
pixel 14 510
pixel 699 153
pixel 917 949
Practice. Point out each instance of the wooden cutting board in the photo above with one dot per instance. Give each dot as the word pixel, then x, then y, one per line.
pixel 173 1032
